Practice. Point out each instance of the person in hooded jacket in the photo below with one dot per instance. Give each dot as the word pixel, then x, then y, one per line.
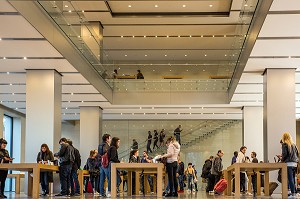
pixel 75 186
pixel 43 157
pixel 4 159
pixel 172 164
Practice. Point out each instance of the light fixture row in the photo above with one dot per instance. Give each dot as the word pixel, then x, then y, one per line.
pixel 175 36
pixel 156 6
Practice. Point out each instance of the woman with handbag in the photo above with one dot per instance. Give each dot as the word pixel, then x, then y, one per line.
pixel 94 170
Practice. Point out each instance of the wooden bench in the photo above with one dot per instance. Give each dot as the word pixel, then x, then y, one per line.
pixel 17 177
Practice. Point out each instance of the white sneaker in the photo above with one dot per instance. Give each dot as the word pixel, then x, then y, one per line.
pixel 96 194
pixel 140 192
pixel 152 192
pixel 108 195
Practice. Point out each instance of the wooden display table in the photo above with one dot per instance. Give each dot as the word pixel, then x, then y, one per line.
pixel 256 167
pixel 126 77
pixel 17 177
pixel 35 169
pixel 81 175
pixel 137 167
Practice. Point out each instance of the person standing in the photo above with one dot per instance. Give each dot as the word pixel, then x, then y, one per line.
pixel 195 179
pixel 241 158
pixel 162 136
pixel 104 170
pixel 75 186
pixel 172 156
pixel 113 158
pixel 190 175
pixel 139 75
pixel 235 154
pixel 155 140
pixel 94 170
pixel 66 157
pixel 177 132
pixel 254 176
pixel 4 159
pixel 115 74
pixel 149 140
pixel 134 158
pixel 44 157
pixel 180 171
pixel 217 167
pixel 135 145
pixel 290 156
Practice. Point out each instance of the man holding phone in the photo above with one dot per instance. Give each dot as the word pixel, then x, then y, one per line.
pixel 4 159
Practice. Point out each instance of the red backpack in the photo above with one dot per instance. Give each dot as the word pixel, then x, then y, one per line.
pixel 104 159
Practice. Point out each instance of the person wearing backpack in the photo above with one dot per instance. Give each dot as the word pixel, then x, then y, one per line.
pixel 290 156
pixel 104 170
pixel 190 175
pixel 75 186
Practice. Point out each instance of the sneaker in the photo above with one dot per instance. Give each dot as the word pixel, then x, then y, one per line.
pixel 169 195
pixel 3 196
pixel 108 195
pixel 181 191
pixel 249 194
pixel 152 193
pixel 96 194
pixel 140 192
pixel 62 195
pixel 175 194
pixel 103 195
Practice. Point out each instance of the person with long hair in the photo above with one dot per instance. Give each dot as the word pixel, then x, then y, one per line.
pixel 113 158
pixel 172 156
pixel 4 159
pixel 94 170
pixel 290 156
pixel 44 157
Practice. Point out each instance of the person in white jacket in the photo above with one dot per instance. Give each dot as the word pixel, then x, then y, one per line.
pixel 172 156
pixel 241 158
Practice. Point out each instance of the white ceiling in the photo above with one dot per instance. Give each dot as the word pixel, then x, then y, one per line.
pixel 279 37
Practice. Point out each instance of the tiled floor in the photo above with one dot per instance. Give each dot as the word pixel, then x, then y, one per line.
pixel 200 194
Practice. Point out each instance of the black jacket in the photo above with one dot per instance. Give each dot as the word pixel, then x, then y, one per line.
pixel 113 154
pixel 289 155
pixel 77 161
pixel 45 157
pixel 93 164
pixel 4 153
pixel 206 168
pixel 66 154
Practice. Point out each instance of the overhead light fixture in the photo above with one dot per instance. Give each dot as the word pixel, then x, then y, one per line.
pixel 0 39
pixel 156 6
pixel 178 35
pixel 190 35
pixel 166 55
pixel 185 55
pixel 187 70
pixel 121 36
pixel 146 55
pixel 167 35
pixel 16 108
pixel 246 5
pixel 71 93
pixel 225 55
pixel 70 10
pixel 153 70
pixel 7 73
pixel 205 55
pixel 184 6
pixel 10 84
pixel 82 11
pixel 66 6
pixel 4 57
pixel 156 36
pixel 144 36
pixel 129 6
pixel 132 36
pixel 81 101
pixel 210 5
pixel 25 58
pixel 170 70
pixel 125 55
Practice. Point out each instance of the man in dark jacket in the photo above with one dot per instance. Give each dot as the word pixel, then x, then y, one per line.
pixel 216 171
pixel 135 144
pixel 75 187
pixel 66 159
pixel 180 172
pixel 5 159
pixel 104 171
pixel 177 132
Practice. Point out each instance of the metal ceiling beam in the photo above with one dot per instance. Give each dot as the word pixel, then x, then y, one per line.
pixel 256 25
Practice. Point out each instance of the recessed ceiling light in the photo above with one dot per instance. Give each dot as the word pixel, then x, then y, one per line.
pixel 246 5
pixel 125 55
pixel 144 35
pixel 70 10
pixel 153 70
pixel 25 58
pixel 210 5
pixel 178 35
pixel 213 36
pixel 71 93
pixel 146 55
pixel 166 55
pixel 13 93
pixel 16 108
pixel 187 70
pixel 190 35
pixel 122 36
pixel 7 73
pixel 156 36
pixel 132 36
pixel 156 6
pixel 81 101
pixel 224 35
pixel 10 84
pixel 185 55
pixel 0 39
pixel 129 6
pixel 205 55
pixel 82 11
pixel 167 35
pixel 203 70
pixel 225 55
pixel 184 6
pixel 170 70
pixel 4 57
pixel 66 6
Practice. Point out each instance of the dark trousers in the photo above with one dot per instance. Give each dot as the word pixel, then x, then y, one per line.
pixel 210 182
pixel 171 170
pixel 142 183
pixel 254 182
pixel 291 179
pixel 65 178
pixel 75 187
pixel 133 183
pixel 243 181
pixel 181 183
pixel 155 144
pixel 149 147
pixel 44 182
pixel 217 179
pixel 3 176
pixel 94 181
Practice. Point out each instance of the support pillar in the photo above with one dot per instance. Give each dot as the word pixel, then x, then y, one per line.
pixel 43 111
pixel 253 130
pixel 279 109
pixel 90 120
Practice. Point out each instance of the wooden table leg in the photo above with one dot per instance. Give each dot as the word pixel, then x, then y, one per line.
pixel 159 181
pixel 36 183
pixel 17 184
pixel 237 181
pixel 267 184
pixel 229 179
pixel 113 180
pixel 249 182
pixel 258 183
pixel 284 182
pixel 137 182
pixel 81 180
pixel 29 183
pixel 129 183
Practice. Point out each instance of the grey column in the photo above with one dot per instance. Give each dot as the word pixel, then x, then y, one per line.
pixel 43 111
pixel 90 125
pixel 279 109
pixel 253 130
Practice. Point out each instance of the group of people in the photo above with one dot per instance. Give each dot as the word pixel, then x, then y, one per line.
pixel 139 74
pixel 157 137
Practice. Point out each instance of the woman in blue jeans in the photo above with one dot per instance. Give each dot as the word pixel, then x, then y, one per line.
pixel 290 157
pixel 113 158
